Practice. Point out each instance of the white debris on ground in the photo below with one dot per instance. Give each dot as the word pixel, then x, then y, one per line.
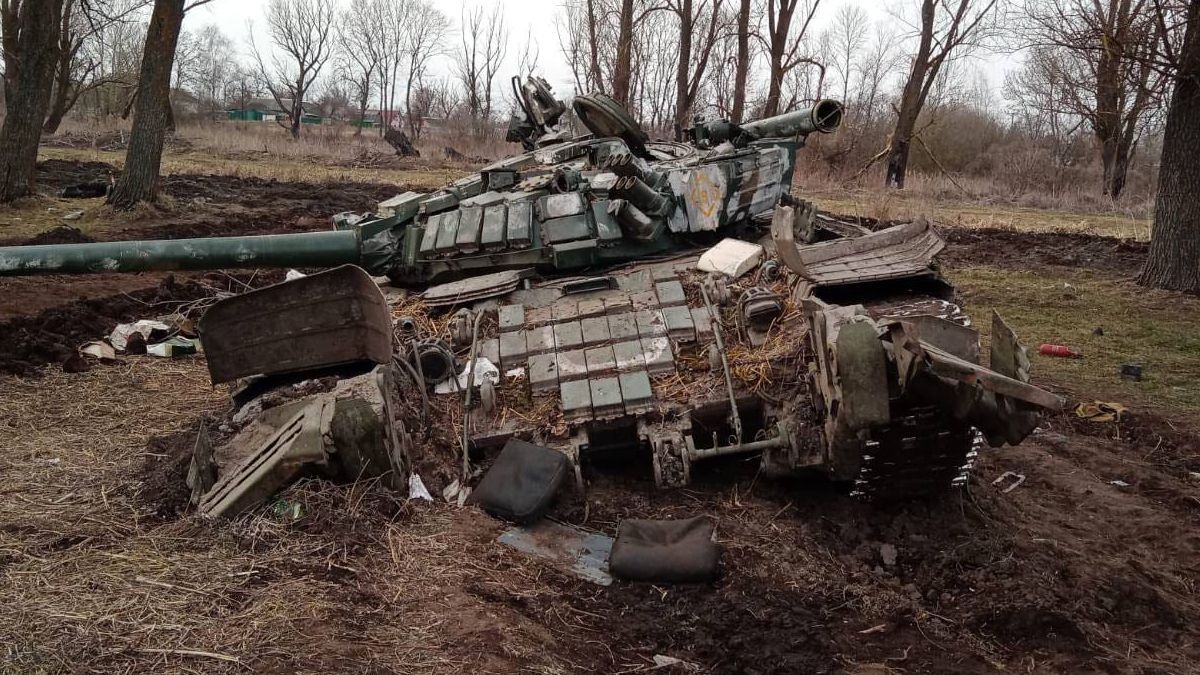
pixel 120 334
pixel 417 489
pixel 485 370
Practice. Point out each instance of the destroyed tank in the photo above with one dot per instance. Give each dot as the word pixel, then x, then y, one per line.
pixel 609 295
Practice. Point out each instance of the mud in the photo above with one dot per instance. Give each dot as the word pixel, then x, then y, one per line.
pixel 1066 573
pixel 163 492
pixel 200 206
pixel 56 174
pixel 30 343
pixel 1033 250
pixel 60 235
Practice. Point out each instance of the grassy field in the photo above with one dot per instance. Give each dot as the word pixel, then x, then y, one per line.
pixel 297 169
pixel 1155 329
pixel 961 212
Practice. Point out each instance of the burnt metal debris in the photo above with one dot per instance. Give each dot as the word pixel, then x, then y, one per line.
pixel 577 268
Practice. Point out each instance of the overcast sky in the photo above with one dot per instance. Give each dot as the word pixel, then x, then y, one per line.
pixel 536 18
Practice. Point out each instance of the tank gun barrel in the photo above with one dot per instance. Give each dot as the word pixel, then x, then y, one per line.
pixel 823 117
pixel 310 249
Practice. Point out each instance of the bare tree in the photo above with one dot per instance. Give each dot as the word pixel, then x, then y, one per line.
pixel 783 45
pixel 847 37
pixel 1045 102
pixel 484 44
pixel 213 68
pixel 117 47
pixel 139 180
pixel 79 68
pixel 242 87
pixel 874 65
pixel 587 35
pixel 393 21
pixel 629 19
pixel 690 68
pixel 358 64
pixel 948 28
pixel 302 33
pixel 1174 260
pixel 741 66
pixel 30 32
pixel 1099 50
pixel 623 70
pixel 423 40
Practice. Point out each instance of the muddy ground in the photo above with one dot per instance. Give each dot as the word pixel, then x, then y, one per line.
pixel 198 206
pixel 1090 565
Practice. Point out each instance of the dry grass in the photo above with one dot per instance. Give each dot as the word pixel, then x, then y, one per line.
pixel 962 211
pixel 296 169
pixel 92 578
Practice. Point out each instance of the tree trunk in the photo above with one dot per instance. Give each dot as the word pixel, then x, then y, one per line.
pixel 594 55
pixel 362 110
pixel 777 47
pixel 1174 260
pixel 623 70
pixel 139 180
pixel 28 95
pixel 897 163
pixel 54 118
pixel 775 87
pixel 408 112
pixel 9 31
pixel 742 67
pixel 60 100
pixel 1119 171
pixel 683 67
pixel 910 109
pixel 911 101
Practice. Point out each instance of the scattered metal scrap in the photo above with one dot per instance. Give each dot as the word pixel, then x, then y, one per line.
pixel 317 387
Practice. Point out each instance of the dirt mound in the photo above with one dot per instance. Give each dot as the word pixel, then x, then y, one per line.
pixel 735 627
pixel 164 491
pixel 27 344
pixel 225 228
pixel 1032 250
pixel 62 234
pixel 266 193
pixel 57 174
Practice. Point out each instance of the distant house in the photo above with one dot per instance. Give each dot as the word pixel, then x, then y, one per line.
pixel 349 115
pixel 267 110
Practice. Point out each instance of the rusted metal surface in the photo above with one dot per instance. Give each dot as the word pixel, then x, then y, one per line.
pixel 328 319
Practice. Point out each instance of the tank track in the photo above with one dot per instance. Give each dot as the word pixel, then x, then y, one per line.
pixel 922 452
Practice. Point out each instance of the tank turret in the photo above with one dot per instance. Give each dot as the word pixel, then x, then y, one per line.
pixel 566 204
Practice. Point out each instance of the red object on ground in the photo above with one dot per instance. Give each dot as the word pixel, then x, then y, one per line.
pixel 1059 350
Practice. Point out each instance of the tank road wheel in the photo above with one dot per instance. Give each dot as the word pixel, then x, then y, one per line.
pixel 670 465
pixel 462 328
